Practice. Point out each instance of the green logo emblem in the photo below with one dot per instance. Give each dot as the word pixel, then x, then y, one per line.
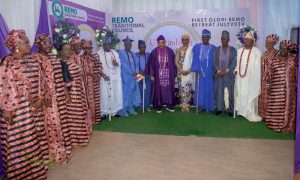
pixel 57 9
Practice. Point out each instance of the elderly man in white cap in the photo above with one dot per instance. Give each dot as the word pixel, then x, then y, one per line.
pixel 111 82
pixel 248 70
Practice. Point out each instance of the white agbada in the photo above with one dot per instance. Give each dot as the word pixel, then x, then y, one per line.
pixel 187 63
pixel 247 89
pixel 111 91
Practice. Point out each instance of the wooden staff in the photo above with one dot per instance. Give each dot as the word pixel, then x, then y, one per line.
pixel 198 91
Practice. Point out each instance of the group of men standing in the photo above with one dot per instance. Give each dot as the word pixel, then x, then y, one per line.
pixel 214 79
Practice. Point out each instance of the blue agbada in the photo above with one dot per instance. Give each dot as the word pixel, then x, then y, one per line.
pixel 203 64
pixel 131 93
pixel 142 62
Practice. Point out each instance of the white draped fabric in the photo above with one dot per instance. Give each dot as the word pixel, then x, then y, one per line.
pixel 111 91
pixel 187 64
pixel 247 88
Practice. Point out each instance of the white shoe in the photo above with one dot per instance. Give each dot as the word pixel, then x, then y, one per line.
pixel 159 111
pixel 148 109
pixel 171 110
pixel 134 113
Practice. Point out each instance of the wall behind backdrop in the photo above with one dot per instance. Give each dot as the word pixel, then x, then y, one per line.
pixel 269 16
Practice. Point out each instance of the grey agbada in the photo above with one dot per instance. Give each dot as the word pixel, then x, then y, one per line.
pixel 224 65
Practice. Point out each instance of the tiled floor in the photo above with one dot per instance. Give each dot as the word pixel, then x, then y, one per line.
pixel 119 156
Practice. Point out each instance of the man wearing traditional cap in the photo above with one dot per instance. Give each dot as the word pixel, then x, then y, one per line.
pixel 202 64
pixel 281 103
pixel 143 58
pixel 111 82
pixel 224 66
pixel 247 82
pixel 161 67
pixel 129 70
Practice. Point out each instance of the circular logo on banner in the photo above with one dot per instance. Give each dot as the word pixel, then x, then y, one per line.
pixel 57 9
pixel 172 31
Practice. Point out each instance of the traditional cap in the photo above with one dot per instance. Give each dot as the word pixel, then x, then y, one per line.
pixel 287 43
pixel 272 37
pixel 246 31
pixel 13 37
pixel 225 34
pixel 249 35
pixel 187 36
pixel 206 32
pixel 127 40
pixel 161 38
pixel 106 40
pixel 40 38
pixel 141 42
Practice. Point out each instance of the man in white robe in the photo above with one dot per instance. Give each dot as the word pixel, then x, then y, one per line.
pixel 247 85
pixel 111 83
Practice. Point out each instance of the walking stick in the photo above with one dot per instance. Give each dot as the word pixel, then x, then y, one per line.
pixel 234 99
pixel 109 96
pixel 198 89
pixel 144 87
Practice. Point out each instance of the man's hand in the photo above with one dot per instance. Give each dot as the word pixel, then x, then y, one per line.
pixel 115 63
pixel 221 74
pixel 106 78
pixel 235 73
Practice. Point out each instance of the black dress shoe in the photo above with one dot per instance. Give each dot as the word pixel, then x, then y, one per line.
pixel 159 110
pixel 218 113
pixel 117 115
pixel 230 114
pixel 103 117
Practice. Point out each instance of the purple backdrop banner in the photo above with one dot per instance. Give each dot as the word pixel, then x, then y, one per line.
pixel 43 26
pixel 87 20
pixel 3 35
